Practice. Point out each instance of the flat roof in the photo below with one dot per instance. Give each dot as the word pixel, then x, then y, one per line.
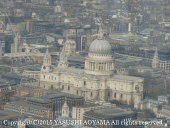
pixel 71 70
pixel 89 105
pixel 62 94
pixel 40 100
pixel 109 112
pixel 29 87
pixel 124 60
pixel 8 115
pixel 26 105
pixel 124 77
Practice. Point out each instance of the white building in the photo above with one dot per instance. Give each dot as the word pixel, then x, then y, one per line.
pixel 58 9
pixel 97 81
pixel 78 111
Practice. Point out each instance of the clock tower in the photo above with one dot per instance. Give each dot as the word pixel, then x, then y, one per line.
pixel 46 66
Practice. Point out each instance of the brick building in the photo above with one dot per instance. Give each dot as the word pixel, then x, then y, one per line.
pixel 28 109
pixel 32 90
pixel 5 94
pixel 40 101
pixel 58 99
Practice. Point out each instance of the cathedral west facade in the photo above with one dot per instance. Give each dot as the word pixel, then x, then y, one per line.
pixel 97 80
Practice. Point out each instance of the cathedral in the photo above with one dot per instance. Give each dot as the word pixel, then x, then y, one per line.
pixel 97 81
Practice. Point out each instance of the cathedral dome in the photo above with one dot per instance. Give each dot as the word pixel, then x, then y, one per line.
pixel 100 46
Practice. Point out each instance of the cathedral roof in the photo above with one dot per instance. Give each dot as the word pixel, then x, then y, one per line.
pixel 100 46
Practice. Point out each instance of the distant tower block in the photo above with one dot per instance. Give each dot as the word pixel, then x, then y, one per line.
pixel 0 51
pixel 129 28
pixel 89 40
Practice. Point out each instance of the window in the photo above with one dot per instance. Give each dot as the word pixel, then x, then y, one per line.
pixel 49 77
pixel 108 93
pixel 69 88
pixel 77 92
pixel 136 87
pixel 121 96
pixel 91 94
pixel 62 86
pixel 44 76
pixel 55 78
pixel 84 82
pixel 51 86
pixel 115 95
pixel 52 77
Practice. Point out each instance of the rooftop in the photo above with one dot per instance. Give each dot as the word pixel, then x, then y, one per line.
pixel 8 115
pixel 29 106
pixel 29 87
pixel 39 100
pixel 89 105
pixel 124 60
pixel 70 70
pixel 62 94
pixel 108 113
pixel 123 77
pixel 166 107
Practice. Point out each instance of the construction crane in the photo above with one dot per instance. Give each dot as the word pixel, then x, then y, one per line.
pixel 16 36
pixel 3 25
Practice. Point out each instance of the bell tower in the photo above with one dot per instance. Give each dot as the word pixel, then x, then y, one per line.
pixel 65 109
pixel 46 66
pixel 155 61
pixel 63 63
